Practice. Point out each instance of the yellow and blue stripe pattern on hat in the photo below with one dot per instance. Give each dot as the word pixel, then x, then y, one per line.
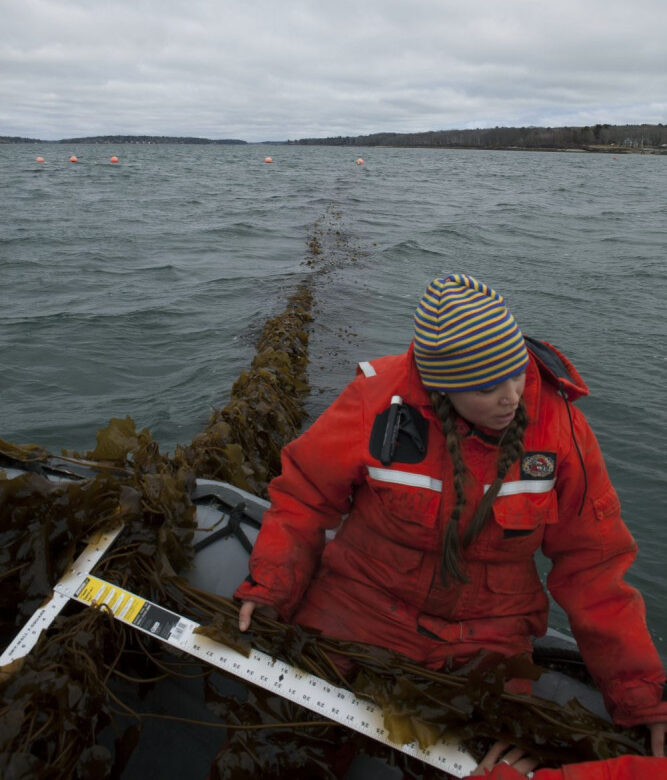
pixel 465 336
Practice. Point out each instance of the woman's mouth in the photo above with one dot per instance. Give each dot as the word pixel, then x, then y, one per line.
pixel 506 419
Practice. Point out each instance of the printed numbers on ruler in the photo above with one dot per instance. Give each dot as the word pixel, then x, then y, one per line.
pixel 320 696
pixel 39 621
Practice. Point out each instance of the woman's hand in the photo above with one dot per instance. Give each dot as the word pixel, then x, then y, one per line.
pixel 499 754
pixel 248 607
pixel 658 731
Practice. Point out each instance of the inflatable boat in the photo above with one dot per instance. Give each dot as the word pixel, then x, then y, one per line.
pixel 228 520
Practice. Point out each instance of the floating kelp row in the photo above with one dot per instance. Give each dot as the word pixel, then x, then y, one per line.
pixel 242 441
pixel 330 245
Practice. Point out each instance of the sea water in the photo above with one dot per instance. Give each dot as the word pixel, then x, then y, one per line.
pixel 140 288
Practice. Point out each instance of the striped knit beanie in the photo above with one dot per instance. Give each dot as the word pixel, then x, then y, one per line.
pixel 465 337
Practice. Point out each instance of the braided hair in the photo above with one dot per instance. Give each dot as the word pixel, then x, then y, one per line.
pixel 511 450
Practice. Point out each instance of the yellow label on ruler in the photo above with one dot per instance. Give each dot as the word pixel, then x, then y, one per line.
pixel 122 604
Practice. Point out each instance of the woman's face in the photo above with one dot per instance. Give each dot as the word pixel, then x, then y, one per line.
pixel 493 408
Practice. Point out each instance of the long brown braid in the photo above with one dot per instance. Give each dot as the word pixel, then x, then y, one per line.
pixel 511 450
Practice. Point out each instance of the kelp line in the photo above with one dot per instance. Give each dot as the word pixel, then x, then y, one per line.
pixel 55 702
pixel 242 442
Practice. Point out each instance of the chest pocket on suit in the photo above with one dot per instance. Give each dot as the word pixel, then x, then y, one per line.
pixel 519 518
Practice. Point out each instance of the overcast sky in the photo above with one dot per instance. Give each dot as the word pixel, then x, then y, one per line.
pixel 278 69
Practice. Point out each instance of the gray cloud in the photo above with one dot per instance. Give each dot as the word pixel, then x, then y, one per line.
pixel 263 70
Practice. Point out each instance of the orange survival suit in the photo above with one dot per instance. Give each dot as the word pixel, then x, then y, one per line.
pixel 378 580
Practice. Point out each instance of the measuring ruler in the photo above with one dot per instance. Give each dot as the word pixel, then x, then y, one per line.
pixel 307 690
pixel 314 693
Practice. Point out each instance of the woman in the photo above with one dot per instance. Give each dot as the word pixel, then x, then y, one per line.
pixel 452 464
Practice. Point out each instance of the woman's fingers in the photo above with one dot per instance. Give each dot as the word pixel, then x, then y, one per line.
pixel 245 614
pixel 248 607
pixel 491 758
pixel 499 754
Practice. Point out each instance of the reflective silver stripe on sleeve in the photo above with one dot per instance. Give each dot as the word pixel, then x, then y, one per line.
pixel 366 368
pixel 405 478
pixel 525 486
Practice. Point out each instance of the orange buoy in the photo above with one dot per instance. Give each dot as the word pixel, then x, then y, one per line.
pixel 114 160
pixel 40 159
pixel 360 161
pixel 268 159
pixel 73 159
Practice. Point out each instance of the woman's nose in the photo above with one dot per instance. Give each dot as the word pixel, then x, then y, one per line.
pixel 510 395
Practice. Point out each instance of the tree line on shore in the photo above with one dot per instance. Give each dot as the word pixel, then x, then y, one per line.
pixel 123 139
pixel 600 137
pixel 593 138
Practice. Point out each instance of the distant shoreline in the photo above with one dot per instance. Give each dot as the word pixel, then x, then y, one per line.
pixel 572 150
pixel 607 139
pixel 611 139
pixel 124 139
